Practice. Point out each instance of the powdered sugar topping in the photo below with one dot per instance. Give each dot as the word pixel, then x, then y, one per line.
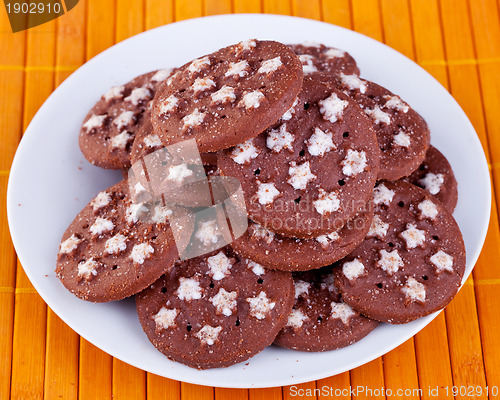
pixel 189 289
pixel 140 252
pixel 390 262
pixel 378 228
pixel 124 119
pixel 332 108
pixel 202 84
pixel 307 61
pixel 101 200
pixel 199 65
pixel 396 103
pixel 224 95
pixel 383 195
pixel 252 99
pixel 428 209
pixel 137 95
pixel 378 116
pixel 121 140
pixel 95 121
pixel 100 226
pixel 442 261
pixel 219 266
pixel 414 237
pixel 269 66
pixel 152 141
pixel 414 290
pixel 260 306
pixel 256 268
pixel 169 104
pixel 208 232
pixel 320 142
pixel 177 173
pixel 165 318
pixel 325 240
pixel 402 139
pixel 353 82
pixel 259 232
pixel 326 202
pixel 267 193
pixel 239 68
pixel 353 269
pixel 208 335
pixel 300 175
pixel 279 139
pixel 432 182
pixel 224 302
pixel 296 319
pixel 196 118
pixel 342 311
pixel 116 244
pixel 70 245
pixel 301 287
pixel 354 162
pixel 87 269
pixel 244 152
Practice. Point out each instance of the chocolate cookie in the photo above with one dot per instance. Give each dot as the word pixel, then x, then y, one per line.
pixel 229 96
pixel 275 251
pixel 312 171
pixel 147 142
pixel 412 261
pixel 436 176
pixel 109 128
pixel 215 310
pixel 318 58
pixel 109 252
pixel 320 320
pixel 403 135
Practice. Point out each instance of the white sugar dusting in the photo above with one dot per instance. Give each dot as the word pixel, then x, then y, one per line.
pixel 124 119
pixel 279 139
pixel 260 306
pixel 414 290
pixel 189 289
pixel 353 269
pixel 332 108
pixel 121 140
pixel 161 214
pixel 100 226
pixel 116 244
pixel 199 65
pixel 428 209
pixel 169 104
pixel 87 269
pixel 161 75
pixel 353 82
pixel 252 99
pixel 140 252
pixel 259 232
pixel 256 268
pixel 308 66
pixel 219 266
pixel 270 66
pixel 289 113
pixel 114 93
pixel 296 319
pixel 152 141
pixel 208 335
pixel 177 173
pixel 402 139
pixel 267 193
pixel 414 237
pixel 165 318
pixel 378 228
pixel 95 121
pixel 354 162
pixel 326 240
pixel 224 95
pixel 69 245
pixel 224 302
pixel 300 175
pixel 244 152
pixel 378 116
pixel 442 261
pixel 238 69
pixel 432 182
pixel 334 53
pixel 138 95
pixel 101 200
pixel 396 103
pixel 383 195
pixel 133 211
pixel 208 232
pixel 202 84
pixel 320 143
pixel 390 262
pixel 196 118
pixel 326 202
pixel 342 311
pixel 301 288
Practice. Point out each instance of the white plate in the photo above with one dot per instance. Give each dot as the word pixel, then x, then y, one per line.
pixel 50 182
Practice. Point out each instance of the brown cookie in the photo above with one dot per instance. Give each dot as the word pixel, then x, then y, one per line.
pixel 412 261
pixel 109 129
pixel 147 142
pixel 318 58
pixel 436 176
pixel 109 252
pixel 215 310
pixel 402 134
pixel 275 251
pixel 311 172
pixel 320 320
pixel 229 96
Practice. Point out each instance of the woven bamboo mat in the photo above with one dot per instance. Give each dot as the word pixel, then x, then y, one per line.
pixel 457 41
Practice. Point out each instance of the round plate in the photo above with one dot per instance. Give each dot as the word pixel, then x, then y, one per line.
pixel 50 182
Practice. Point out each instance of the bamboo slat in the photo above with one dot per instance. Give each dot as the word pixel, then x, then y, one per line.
pixel 195 392
pixel 95 373
pixel 337 12
pixel 340 382
pixel 158 13
pixel 62 351
pixel 128 382
pixel 277 7
pixel 11 110
pixel 231 394
pixel 100 26
pixel 159 388
pixel 368 376
pixel 129 18
pixel 266 394
pixel 302 391
pixel 215 7
pixel 306 9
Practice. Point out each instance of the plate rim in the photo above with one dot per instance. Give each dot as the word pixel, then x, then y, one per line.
pixel 471 259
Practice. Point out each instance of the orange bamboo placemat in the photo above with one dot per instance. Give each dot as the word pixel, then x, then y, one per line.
pixel 457 41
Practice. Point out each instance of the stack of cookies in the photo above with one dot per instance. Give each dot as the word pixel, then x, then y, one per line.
pixel 349 207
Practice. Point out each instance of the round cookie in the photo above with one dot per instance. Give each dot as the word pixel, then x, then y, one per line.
pixel 318 58
pixel 109 128
pixel 147 142
pixel 215 310
pixel 411 262
pixel 320 320
pixel 229 96
pixel 312 171
pixel 436 176
pixel 109 253
pixel 402 134
pixel 275 251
